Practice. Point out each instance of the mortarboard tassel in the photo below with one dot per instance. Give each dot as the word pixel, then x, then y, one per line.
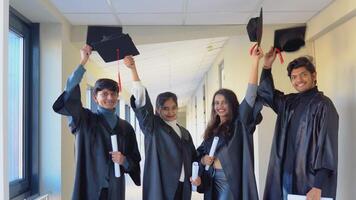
pixel 279 53
pixel 118 70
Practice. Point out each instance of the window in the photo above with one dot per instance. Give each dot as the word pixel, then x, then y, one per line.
pixel 204 106
pixel 23 87
pixel 127 113
pixel 90 99
pixel 117 108
pixel 221 74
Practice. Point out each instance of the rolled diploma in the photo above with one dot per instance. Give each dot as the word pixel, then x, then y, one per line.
pixel 114 148
pixel 212 150
pixel 195 169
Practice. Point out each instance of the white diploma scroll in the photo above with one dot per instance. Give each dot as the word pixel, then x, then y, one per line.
pixel 195 170
pixel 302 197
pixel 212 150
pixel 114 148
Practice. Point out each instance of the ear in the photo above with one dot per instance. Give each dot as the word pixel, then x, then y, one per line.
pixel 95 98
pixel 314 77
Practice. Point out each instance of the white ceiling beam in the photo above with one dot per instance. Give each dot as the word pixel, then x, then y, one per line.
pixel 162 34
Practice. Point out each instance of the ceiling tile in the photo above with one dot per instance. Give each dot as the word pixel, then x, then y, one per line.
pixel 81 6
pixel 148 6
pixel 42 15
pixel 151 19
pixel 91 19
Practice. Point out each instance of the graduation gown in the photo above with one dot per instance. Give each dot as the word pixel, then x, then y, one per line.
pixel 316 139
pixel 165 152
pixel 236 156
pixel 94 167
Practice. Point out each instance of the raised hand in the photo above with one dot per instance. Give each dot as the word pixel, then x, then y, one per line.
pixel 256 52
pixel 85 52
pixel 270 56
pixel 129 62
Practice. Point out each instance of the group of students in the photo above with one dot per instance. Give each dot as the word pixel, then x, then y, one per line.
pixel 303 157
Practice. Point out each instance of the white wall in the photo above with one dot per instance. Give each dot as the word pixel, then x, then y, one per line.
pixel 4 27
pixel 336 67
pixel 50 123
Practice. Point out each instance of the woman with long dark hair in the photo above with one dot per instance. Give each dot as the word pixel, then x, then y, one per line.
pixel 231 173
pixel 169 148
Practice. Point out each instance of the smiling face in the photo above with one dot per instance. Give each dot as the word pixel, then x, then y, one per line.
pixel 221 107
pixel 168 111
pixel 106 98
pixel 302 79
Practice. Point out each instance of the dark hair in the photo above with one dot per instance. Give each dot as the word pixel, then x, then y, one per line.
pixel 304 61
pixel 163 97
pixel 105 83
pixel 214 127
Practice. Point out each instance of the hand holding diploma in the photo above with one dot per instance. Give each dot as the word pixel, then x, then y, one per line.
pixel 117 157
pixel 212 152
pixel 195 180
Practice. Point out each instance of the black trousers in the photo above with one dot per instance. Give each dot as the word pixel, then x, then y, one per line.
pixel 179 192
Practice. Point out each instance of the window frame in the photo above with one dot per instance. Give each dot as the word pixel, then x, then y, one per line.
pixel 29 185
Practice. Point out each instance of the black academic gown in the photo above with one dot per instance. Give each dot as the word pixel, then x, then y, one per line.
pixel 236 156
pixel 165 152
pixel 316 139
pixel 94 167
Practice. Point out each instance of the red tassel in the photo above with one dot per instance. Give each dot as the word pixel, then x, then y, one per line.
pixel 279 53
pixel 118 71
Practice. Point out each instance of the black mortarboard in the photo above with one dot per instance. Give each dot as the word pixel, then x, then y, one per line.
pixel 289 39
pixel 254 28
pixel 110 42
pixel 96 34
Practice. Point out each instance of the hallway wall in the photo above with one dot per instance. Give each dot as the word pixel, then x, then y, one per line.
pixel 336 61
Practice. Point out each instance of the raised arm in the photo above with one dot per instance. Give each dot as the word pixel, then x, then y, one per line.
pixel 266 90
pixel 76 77
pixel 140 101
pixel 246 106
pixel 69 102
pixel 138 90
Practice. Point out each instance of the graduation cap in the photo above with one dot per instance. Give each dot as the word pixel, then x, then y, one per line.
pixel 110 42
pixel 254 28
pixel 96 34
pixel 289 39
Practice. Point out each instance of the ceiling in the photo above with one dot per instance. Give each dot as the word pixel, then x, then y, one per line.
pixel 186 12
pixel 175 66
